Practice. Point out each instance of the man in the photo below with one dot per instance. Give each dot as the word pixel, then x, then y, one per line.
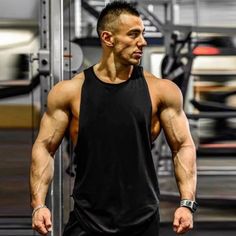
pixel 115 110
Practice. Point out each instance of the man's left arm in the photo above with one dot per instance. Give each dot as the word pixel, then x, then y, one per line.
pixel 176 128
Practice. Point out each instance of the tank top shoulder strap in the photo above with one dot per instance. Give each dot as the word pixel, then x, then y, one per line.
pixel 88 73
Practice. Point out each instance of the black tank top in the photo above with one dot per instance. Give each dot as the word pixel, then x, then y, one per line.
pixel 116 186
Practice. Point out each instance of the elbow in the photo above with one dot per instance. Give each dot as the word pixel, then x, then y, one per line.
pixel 40 149
pixel 184 148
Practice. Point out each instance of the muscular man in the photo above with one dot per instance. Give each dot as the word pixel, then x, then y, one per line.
pixel 115 110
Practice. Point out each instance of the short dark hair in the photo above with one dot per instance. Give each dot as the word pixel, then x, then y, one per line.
pixel 112 11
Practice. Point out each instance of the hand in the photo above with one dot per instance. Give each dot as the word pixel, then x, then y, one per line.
pixel 41 221
pixel 183 220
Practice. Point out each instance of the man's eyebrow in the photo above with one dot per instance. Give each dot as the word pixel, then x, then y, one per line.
pixel 136 31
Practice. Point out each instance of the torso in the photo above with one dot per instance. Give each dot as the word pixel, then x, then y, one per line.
pixel 152 83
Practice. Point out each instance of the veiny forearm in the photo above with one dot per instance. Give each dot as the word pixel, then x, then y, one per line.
pixel 41 174
pixel 185 171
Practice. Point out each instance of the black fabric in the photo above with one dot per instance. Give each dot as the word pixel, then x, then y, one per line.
pixel 150 228
pixel 116 187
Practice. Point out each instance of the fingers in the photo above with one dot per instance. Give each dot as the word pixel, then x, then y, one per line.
pixel 40 228
pixel 176 224
pixel 41 221
pixel 182 228
pixel 183 221
pixel 48 224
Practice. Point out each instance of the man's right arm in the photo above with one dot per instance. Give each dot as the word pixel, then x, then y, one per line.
pixel 52 129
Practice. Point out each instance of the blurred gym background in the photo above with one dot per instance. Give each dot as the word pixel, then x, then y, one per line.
pixel 191 42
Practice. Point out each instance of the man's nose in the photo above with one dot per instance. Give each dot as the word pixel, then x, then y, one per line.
pixel 142 42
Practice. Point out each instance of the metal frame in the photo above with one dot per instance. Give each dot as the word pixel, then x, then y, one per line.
pixel 51 70
pixel 56 59
pixel 167 28
pixel 169 25
pixel 43 55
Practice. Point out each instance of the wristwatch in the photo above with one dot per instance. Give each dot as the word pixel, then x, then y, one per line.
pixel 191 205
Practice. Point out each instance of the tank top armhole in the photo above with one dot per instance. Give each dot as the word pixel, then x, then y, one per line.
pixel 141 71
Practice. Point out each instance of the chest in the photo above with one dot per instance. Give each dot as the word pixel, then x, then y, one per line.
pixel 115 106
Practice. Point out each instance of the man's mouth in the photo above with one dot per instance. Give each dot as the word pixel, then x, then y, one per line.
pixel 138 54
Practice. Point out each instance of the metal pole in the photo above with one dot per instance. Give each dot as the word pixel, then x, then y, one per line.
pixel 168 15
pixel 44 66
pixel 56 59
pixel 43 55
pixel 78 15
pixel 197 12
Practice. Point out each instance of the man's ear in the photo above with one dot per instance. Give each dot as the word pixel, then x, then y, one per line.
pixel 107 38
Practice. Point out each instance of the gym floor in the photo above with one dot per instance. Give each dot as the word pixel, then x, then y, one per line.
pixel 215 216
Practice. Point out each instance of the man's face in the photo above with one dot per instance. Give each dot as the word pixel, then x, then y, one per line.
pixel 129 40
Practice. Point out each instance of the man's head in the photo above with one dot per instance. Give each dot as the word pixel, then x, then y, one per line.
pixel 121 31
pixel 109 15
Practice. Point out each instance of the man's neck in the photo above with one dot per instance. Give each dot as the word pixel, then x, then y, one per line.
pixel 111 72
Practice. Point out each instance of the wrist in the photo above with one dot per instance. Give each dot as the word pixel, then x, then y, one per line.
pixel 37 202
pixel 35 209
pixel 190 204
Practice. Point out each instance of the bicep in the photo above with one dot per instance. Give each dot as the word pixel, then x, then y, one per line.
pixel 53 123
pixel 52 129
pixel 174 121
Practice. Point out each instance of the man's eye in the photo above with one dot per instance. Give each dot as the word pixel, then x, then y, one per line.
pixel 133 35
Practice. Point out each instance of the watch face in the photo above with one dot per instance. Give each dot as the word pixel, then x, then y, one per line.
pixel 189 203
pixel 192 205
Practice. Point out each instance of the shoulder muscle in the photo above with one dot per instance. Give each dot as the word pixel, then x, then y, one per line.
pixel 62 94
pixel 165 92
pixel 170 94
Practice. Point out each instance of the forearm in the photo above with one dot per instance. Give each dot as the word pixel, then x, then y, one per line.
pixel 185 171
pixel 41 174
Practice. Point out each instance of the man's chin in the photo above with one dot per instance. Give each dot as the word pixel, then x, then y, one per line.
pixel 133 62
pixel 136 62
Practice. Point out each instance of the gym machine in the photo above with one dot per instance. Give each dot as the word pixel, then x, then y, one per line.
pixel 174 68
pixel 177 66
